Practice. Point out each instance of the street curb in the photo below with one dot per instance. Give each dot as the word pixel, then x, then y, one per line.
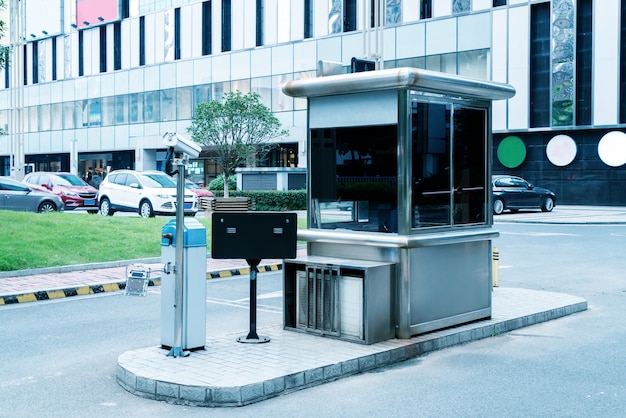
pixel 60 293
pixel 78 267
pixel 514 221
pixel 131 374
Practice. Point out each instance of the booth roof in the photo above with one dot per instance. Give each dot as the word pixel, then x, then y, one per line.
pixel 400 79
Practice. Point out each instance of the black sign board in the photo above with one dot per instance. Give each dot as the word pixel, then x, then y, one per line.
pixel 254 235
pixel 358 65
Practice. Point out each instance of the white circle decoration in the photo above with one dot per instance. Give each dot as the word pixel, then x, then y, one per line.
pixel 561 150
pixel 612 149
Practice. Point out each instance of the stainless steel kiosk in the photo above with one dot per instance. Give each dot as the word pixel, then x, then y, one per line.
pixel 399 230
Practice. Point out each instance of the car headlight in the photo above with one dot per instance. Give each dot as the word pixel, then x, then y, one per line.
pixel 68 193
pixel 162 196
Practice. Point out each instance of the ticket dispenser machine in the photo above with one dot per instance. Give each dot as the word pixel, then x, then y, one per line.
pixel 193 327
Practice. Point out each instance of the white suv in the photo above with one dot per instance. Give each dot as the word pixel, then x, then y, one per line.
pixel 149 193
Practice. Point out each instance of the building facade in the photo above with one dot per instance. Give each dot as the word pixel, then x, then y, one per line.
pixel 97 83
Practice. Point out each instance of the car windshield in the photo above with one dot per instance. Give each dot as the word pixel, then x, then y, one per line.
pixel 191 185
pixel 157 181
pixel 70 180
pixel 10 184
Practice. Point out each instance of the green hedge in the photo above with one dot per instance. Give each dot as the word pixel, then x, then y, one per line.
pixel 271 200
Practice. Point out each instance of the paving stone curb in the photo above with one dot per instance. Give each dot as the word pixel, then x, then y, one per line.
pixel 366 358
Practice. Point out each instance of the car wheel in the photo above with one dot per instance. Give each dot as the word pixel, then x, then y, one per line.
pixel 547 205
pixel 498 206
pixel 105 207
pixel 46 207
pixel 145 209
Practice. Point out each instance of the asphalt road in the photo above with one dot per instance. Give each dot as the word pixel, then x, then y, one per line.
pixel 59 358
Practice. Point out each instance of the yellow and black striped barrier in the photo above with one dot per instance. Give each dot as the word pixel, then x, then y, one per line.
pixel 113 287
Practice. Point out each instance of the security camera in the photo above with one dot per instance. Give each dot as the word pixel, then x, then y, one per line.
pixel 181 144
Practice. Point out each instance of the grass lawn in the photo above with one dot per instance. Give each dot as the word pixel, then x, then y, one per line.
pixel 33 240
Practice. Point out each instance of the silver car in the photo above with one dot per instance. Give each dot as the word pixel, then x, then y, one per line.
pixel 17 196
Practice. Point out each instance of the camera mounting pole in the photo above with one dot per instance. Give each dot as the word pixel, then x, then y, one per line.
pixel 178 157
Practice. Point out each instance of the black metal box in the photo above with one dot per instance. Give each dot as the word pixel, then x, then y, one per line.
pixel 254 235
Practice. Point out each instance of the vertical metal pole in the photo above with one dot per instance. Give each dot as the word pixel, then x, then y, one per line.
pixel 16 92
pixel 177 349
pixel 252 336
pixel 253 275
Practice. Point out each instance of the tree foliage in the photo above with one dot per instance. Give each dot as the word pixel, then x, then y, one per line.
pixel 4 50
pixel 236 128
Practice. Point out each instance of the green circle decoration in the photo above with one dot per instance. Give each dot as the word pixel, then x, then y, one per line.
pixel 511 151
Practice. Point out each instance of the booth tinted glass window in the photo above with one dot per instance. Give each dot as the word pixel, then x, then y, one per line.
pixel 469 165
pixel 430 142
pixel 354 174
pixel 448 165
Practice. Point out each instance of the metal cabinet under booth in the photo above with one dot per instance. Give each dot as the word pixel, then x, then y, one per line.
pixel 345 298
pixel 399 198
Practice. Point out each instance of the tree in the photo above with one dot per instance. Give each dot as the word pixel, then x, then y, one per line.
pixel 236 129
pixel 4 50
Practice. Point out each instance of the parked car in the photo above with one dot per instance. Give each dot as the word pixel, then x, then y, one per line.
pixel 514 193
pixel 148 193
pixel 73 191
pixel 199 191
pixel 15 195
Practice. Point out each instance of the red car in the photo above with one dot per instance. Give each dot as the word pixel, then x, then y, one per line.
pixel 199 191
pixel 73 191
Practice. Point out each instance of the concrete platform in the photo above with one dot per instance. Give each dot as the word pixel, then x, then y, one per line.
pixel 228 373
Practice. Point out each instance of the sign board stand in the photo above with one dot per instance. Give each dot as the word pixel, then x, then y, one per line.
pixel 254 236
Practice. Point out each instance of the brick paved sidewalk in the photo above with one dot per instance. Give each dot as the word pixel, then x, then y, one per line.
pixel 43 286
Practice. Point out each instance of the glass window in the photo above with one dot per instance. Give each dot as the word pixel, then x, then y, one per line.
pixel 226 26
pixel 241 85
pixel 393 12
pixel 121 109
pixel 354 178
pixel 260 9
pixel 183 103
pixel 92 112
pixel 426 9
pixel 218 90
pixel 135 105
pixel 151 100
pixel 33 119
pixel 68 115
pixel 44 118
pixel 349 15
pixel 56 116
pixel 539 65
pixel 430 143
pixel 263 86
pixel 201 94
pixel 206 28
pixel 4 119
pixel 460 6
pixel 308 19
pixel 108 111
pixel 168 104
pixel 419 62
pixel 449 161
pixel 469 165
pixel 474 64
pixel 280 101
pixel 563 82
pixel 335 16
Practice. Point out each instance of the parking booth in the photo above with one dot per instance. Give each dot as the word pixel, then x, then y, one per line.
pixel 400 230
